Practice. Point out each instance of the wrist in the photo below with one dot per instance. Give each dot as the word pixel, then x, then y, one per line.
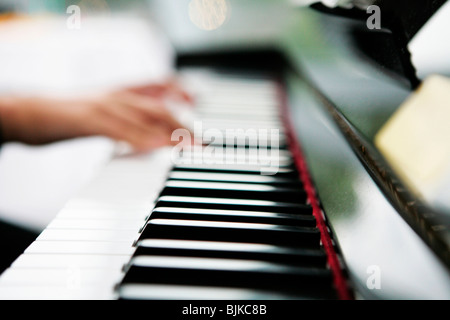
pixel 1 127
pixel 8 115
pixel 5 105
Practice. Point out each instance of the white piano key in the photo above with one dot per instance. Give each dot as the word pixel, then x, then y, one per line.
pixel 234 107
pixel 70 277
pixel 248 84
pixel 215 166
pixel 255 85
pixel 211 125
pixel 182 292
pixel 182 199
pixel 229 116
pixel 231 97
pixel 211 122
pixel 68 261
pixel 79 203
pixel 117 198
pixel 219 185
pixel 241 109
pixel 104 214
pixel 127 186
pixel 208 245
pixel 219 212
pixel 251 157
pixel 56 293
pixel 187 175
pixel 88 235
pixel 206 263
pixel 213 224
pixel 241 139
pixel 116 224
pixel 81 247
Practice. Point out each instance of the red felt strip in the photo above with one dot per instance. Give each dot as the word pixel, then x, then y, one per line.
pixel 339 279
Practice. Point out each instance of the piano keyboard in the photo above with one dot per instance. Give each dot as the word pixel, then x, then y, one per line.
pixel 216 225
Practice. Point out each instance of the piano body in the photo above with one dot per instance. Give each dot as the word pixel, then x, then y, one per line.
pixel 324 225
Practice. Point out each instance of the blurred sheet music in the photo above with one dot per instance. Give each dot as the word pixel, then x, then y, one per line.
pixel 415 141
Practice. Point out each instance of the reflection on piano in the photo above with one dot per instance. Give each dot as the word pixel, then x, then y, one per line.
pixel 211 226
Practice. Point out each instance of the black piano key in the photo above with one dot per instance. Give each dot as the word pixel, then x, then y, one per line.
pixel 224 158
pixel 231 232
pixel 264 126
pixel 235 191
pixel 287 172
pixel 228 273
pixel 232 250
pixel 234 216
pixel 282 145
pixel 229 115
pixel 227 160
pixel 241 110
pixel 213 122
pixel 235 178
pixel 233 204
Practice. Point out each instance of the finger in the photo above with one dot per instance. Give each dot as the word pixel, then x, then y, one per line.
pixel 152 90
pixel 157 132
pixel 117 125
pixel 125 114
pixel 150 110
pixel 170 88
pixel 175 89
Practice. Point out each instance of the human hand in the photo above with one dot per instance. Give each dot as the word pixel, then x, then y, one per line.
pixel 136 115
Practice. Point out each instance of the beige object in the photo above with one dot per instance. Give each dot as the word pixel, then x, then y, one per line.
pixel 416 139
